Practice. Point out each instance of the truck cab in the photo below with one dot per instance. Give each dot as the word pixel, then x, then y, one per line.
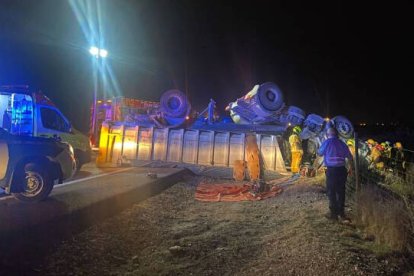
pixel 33 114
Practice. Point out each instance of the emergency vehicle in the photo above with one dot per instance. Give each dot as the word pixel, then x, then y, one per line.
pixel 26 113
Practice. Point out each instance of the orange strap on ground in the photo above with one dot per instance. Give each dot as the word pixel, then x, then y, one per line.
pixel 230 192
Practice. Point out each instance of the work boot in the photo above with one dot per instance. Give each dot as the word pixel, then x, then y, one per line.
pixel 331 216
pixel 344 219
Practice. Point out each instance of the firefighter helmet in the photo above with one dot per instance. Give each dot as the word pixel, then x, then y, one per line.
pixel 350 142
pixel 297 130
pixel 398 145
pixel 371 142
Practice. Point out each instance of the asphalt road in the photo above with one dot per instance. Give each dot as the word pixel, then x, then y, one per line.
pixel 72 207
pixel 78 194
pixel 88 170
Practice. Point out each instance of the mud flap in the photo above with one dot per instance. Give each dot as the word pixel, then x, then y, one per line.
pixel 239 169
pixel 253 161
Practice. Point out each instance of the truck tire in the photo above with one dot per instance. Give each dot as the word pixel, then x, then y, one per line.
pixel 344 127
pixel 35 182
pixel 270 97
pixel 296 115
pixel 174 103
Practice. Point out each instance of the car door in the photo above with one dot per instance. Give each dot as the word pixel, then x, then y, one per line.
pixel 51 122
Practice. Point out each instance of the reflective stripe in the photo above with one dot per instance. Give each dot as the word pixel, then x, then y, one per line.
pixel 335 158
pixel 335 161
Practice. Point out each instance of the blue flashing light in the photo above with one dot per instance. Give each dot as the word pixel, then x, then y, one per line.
pixel 21 114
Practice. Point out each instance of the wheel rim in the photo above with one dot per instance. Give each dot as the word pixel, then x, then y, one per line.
pixel 270 95
pixel 33 184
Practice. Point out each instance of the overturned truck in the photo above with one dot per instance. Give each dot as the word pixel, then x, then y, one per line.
pixel 170 131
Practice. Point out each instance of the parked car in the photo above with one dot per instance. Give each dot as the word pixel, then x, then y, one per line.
pixel 30 166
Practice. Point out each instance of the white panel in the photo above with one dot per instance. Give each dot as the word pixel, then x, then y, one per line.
pixel 175 145
pixel 221 149
pixel 145 143
pixel 160 144
pixel 236 148
pixel 190 149
pixel 130 143
pixel 205 148
pixel 268 150
pixel 280 163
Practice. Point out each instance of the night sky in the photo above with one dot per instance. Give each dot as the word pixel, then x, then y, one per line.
pixel 330 58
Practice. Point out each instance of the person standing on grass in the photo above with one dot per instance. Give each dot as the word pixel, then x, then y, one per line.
pixel 336 154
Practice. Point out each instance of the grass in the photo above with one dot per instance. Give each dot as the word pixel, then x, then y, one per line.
pixel 380 250
pixel 386 218
pixel 358 243
pixel 399 186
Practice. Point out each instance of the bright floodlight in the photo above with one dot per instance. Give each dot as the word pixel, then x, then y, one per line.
pixel 94 51
pixel 103 53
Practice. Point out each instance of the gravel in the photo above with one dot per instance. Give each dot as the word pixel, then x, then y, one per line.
pixel 173 234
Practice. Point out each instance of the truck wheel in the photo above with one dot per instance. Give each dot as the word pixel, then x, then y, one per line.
pixel 270 97
pixel 343 126
pixel 174 103
pixel 36 184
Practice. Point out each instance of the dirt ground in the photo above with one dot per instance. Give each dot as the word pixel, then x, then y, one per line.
pixel 173 234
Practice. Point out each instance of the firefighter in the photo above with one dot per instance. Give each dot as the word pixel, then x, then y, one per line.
pixel 351 145
pixel 398 159
pixel 370 143
pixel 374 155
pixel 309 153
pixel 379 157
pixel 364 152
pixel 295 149
pixel 386 154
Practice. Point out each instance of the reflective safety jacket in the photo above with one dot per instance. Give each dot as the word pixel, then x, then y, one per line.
pixel 334 151
pixel 295 143
pixel 375 155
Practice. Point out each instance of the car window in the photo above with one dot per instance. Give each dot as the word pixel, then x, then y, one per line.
pixel 51 119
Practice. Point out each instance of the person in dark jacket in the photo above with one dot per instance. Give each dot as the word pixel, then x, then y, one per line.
pixel 336 154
